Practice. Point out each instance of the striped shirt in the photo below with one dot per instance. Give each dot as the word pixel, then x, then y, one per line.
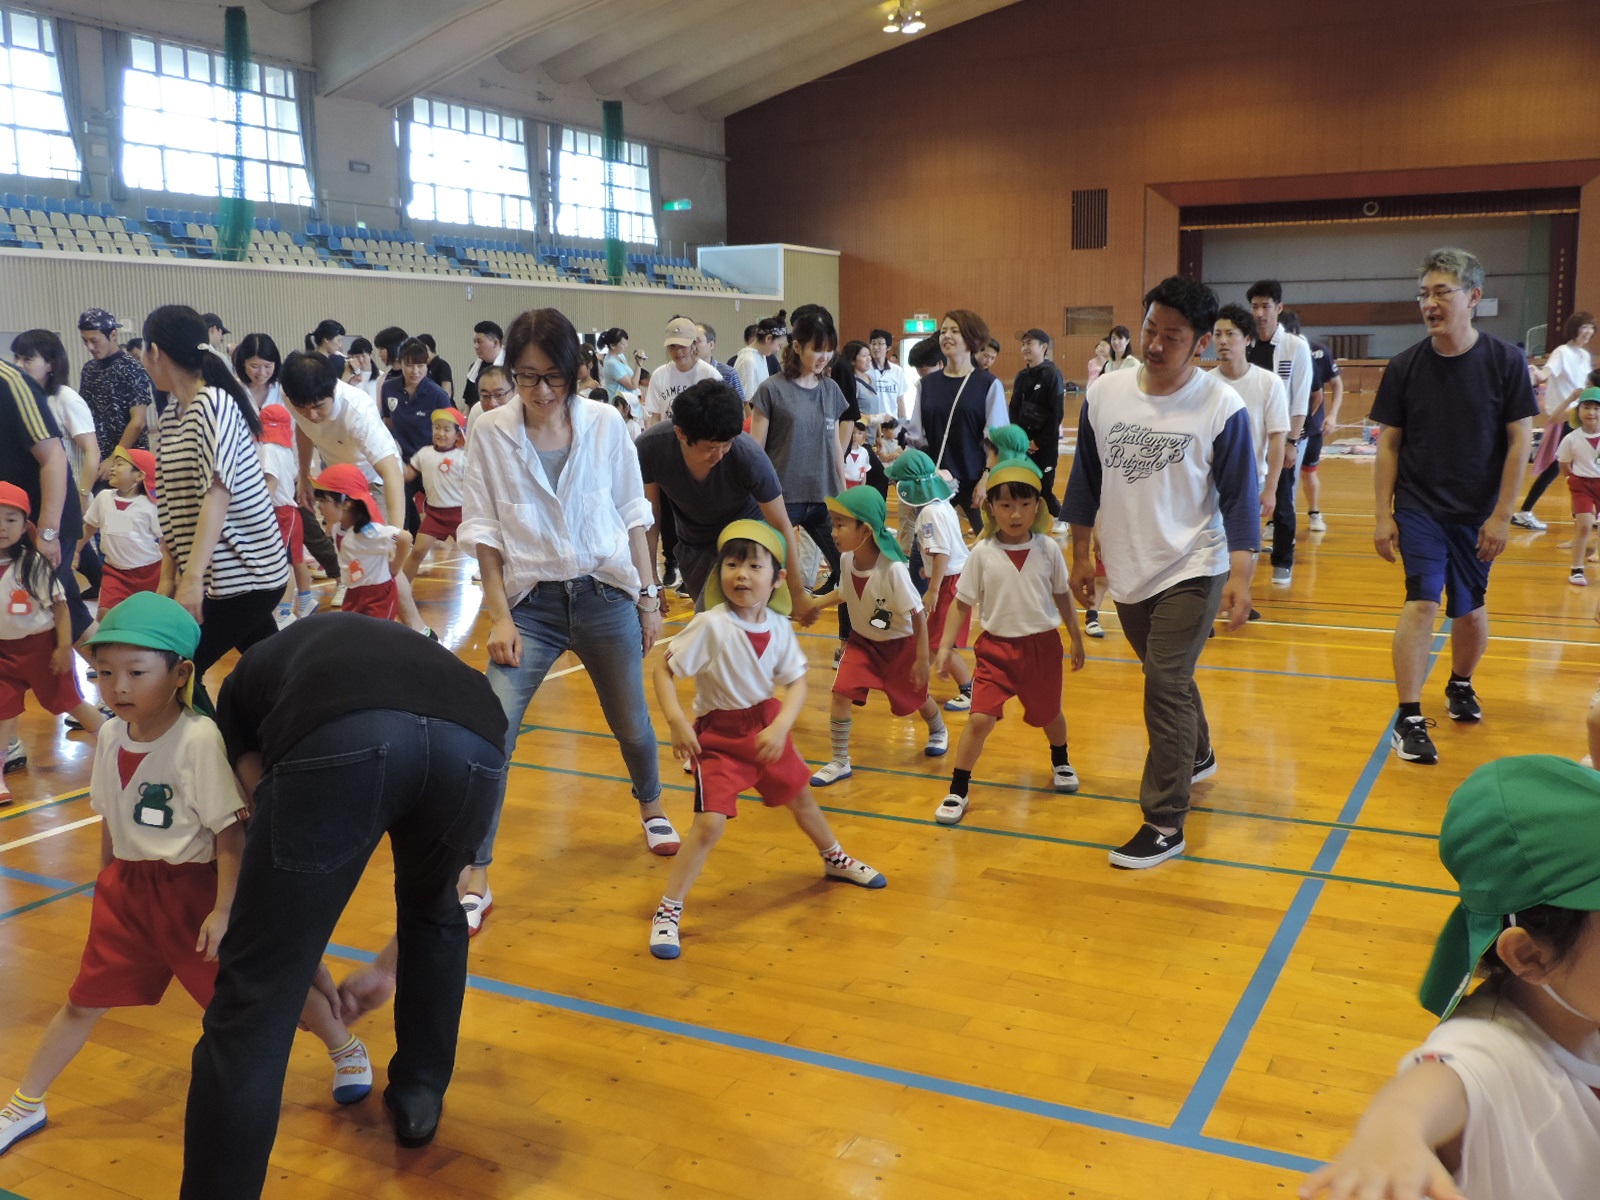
pixel 206 443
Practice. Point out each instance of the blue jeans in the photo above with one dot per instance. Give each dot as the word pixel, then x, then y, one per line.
pixel 320 812
pixel 599 624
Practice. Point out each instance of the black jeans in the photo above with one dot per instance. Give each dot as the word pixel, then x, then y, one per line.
pixel 320 813
pixel 669 538
pixel 233 623
pixel 963 502
pixel 1545 479
pixel 1046 461
pixel 90 563
pixel 813 518
pixel 77 611
pixel 1283 513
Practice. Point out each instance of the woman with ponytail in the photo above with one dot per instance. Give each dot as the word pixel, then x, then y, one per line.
pixel 328 338
pixel 227 564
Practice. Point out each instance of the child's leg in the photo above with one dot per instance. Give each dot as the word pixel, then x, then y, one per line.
pixel 838 766
pixel 352 1069
pixel 1063 778
pixel 90 717
pixel 418 553
pixel 968 750
pixel 408 604
pixel 959 671
pixel 1580 540
pixel 938 735
pixel 68 1030
pixel 302 577
pixel 317 1016
pixel 1056 730
pixel 836 863
pixel 704 833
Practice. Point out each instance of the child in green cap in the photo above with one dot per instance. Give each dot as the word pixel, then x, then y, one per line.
pixel 170 845
pixel 925 496
pixel 1500 1103
pixel 888 647
pixel 736 651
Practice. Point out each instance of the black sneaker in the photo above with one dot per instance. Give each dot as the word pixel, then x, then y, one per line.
pixel 1254 615
pixel 670 578
pixel 1205 768
pixel 1147 848
pixel 1463 702
pixel 1411 741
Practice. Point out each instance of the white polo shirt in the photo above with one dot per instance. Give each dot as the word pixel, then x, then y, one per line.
pixel 1013 588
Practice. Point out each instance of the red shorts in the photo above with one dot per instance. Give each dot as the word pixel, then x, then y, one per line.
pixel 1028 668
pixel 293 528
pixel 941 610
pixel 25 667
pixel 869 666
pixel 381 600
pixel 440 523
pixel 142 930
pixel 116 585
pixel 727 763
pixel 1585 495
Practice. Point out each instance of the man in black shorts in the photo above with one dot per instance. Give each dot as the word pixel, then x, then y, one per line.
pixel 1327 387
pixel 1457 414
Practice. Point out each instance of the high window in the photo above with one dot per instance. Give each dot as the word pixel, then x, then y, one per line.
pixel 34 135
pixel 581 189
pixel 468 166
pixel 178 126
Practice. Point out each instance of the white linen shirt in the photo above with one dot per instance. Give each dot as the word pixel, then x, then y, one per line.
pixel 544 534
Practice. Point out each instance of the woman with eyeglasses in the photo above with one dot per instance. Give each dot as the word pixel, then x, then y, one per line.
pixel 555 510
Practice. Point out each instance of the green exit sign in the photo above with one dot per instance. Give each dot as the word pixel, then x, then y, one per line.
pixel 921 325
pixel 677 206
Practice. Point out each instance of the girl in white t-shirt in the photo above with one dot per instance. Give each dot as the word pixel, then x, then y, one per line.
pixel 369 554
pixel 1500 1103
pixel 442 468
pixel 125 516
pixel 937 529
pixel 856 461
pixel 1579 460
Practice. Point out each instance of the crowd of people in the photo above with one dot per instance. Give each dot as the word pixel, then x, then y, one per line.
pixel 200 489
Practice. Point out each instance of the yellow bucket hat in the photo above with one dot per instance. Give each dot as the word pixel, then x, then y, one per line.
pixel 1017 470
pixel 763 535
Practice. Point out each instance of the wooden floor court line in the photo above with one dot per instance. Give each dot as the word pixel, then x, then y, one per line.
pixel 11 814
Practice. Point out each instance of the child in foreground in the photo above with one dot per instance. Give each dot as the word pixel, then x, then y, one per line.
pixel 1500 1102
pixel 170 846
pixel 736 650
pixel 1017 579
pixel 370 554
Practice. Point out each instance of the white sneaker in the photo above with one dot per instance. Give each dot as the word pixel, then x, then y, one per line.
pixel 938 743
pixel 664 937
pixel 16 1125
pixel 1577 578
pixel 951 809
pixel 960 702
pixel 16 755
pixel 338 595
pixel 477 908
pixel 285 614
pixel 1526 520
pixel 308 606
pixel 1065 778
pixel 854 872
pixel 660 837
pixel 352 1074
pixel 1317 525
pixel 832 772
pixel 1060 527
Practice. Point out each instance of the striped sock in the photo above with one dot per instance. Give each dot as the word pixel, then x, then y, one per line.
pixel 669 910
pixel 25 1105
pixel 936 723
pixel 835 856
pixel 839 734
pixel 344 1050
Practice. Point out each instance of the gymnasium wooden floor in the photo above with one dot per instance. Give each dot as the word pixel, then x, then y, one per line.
pixel 1010 1017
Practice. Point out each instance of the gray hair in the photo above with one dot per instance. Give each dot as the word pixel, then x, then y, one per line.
pixel 1461 265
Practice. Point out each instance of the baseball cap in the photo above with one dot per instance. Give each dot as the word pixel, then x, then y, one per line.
pixel 1589 396
pixel 762 534
pixel 11 496
pixel 277 426
pixel 917 480
pixel 97 319
pixel 215 322
pixel 154 622
pixel 144 462
pixel 681 332
pixel 1015 470
pixel 1035 335
pixel 864 504
pixel 347 480
pixel 1519 832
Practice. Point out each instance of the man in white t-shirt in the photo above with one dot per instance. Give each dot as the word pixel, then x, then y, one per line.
pixel 1263 393
pixel 887 376
pixel 1166 465
pixel 683 369
pixel 1288 355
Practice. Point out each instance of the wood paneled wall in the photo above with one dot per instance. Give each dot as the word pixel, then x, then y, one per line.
pixel 943 169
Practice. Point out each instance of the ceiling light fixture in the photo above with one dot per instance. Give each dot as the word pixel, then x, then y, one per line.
pixel 905 19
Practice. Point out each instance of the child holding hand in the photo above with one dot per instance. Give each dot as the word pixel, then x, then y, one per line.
pixel 443 468
pixel 1016 577
pixel 736 651
pixel 369 554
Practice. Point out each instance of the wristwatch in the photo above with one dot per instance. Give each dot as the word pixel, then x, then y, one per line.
pixel 47 535
pixel 653 591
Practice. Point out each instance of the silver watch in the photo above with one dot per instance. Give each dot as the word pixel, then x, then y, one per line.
pixel 47 534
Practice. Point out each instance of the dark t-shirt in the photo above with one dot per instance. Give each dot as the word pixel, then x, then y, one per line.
pixel 1323 368
pixel 335 664
pixel 734 489
pixel 1453 413
pixel 439 371
pixel 25 421
pixel 963 451
pixel 411 417
pixel 1036 405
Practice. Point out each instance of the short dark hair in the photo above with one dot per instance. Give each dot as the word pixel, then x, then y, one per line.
pixel 1270 288
pixel 750 332
pixel 359 345
pixel 1015 489
pixel 389 338
pixel 490 329
pixel 42 343
pixel 1290 320
pixel 926 353
pixel 974 329
pixel 880 333
pixel 427 340
pixel 1193 299
pixel 1574 323
pixel 1239 316
pixel 307 379
pixel 413 350
pixel 708 331
pixel 549 330
pixel 708 411
pixel 743 550
pixel 994 344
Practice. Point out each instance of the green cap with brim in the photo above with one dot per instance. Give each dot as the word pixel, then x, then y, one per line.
pixel 864 504
pixel 917 480
pixel 1009 441
pixel 152 622
pixel 1519 832
pixel 763 535
pixel 1016 470
pixel 1589 396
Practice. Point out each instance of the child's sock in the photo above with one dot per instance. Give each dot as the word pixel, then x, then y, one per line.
pixel 669 910
pixel 345 1050
pixel 25 1105
pixel 839 735
pixel 305 595
pixel 936 723
pixel 966 688
pixel 1410 710
pixel 835 856
pixel 1454 678
pixel 960 781
pixel 1058 755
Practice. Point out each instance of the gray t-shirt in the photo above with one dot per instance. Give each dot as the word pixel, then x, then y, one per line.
pixel 742 480
pixel 802 436
pixel 553 461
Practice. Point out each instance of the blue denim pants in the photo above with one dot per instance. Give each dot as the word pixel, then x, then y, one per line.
pixel 599 624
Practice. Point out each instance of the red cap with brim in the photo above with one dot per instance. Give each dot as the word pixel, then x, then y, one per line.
pixel 347 480
pixel 277 426
pixel 11 496
pixel 143 462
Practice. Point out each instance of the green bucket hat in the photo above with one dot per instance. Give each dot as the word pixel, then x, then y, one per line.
pixel 865 505
pixel 917 480
pixel 1009 441
pixel 1518 832
pixel 153 622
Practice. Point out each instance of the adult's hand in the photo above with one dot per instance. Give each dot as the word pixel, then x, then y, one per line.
pixel 1386 537
pixel 1269 504
pixel 505 643
pixel 1081 578
pixel 367 987
pixel 1492 537
pixel 304 493
pixel 650 626
pixel 190 593
pixel 51 550
pixel 1236 602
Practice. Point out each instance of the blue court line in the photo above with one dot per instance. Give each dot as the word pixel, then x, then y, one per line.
pixel 1020 835
pixel 64 893
pixel 49 881
pixel 995 784
pixel 1143 1130
pixel 1224 1057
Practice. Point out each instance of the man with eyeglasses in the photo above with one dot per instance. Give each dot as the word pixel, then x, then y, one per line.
pixel 487 352
pixel 1457 415
pixel 1288 356
pixel 494 388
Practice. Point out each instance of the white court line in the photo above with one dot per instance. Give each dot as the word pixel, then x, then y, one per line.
pixel 580 667
pixel 1493 637
pixel 48 833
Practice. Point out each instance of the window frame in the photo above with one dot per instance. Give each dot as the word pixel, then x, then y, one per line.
pixel 636 225
pixel 500 141
pixel 29 142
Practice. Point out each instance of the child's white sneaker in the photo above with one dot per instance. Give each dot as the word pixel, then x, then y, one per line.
pixel 951 809
pixel 477 908
pixel 352 1073
pixel 938 742
pixel 308 605
pixel 852 871
pixel 831 772
pixel 960 702
pixel 16 1124
pixel 660 837
pixel 664 936
pixel 1065 778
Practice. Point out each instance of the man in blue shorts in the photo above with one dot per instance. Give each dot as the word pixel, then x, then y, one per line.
pixel 1457 415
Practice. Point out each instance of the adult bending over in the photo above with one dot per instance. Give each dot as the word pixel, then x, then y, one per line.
pixel 555 510
pixel 341 729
